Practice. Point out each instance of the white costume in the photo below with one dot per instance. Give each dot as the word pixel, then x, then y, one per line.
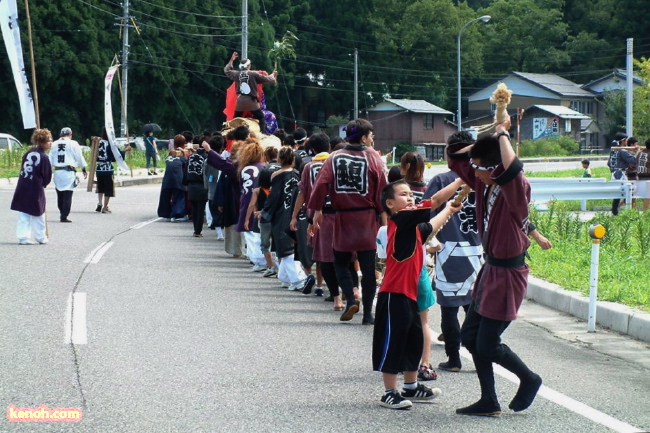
pixel 65 153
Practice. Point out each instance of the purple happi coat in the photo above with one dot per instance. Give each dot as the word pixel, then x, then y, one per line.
pixel 35 175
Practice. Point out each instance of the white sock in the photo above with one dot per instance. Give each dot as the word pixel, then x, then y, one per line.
pixel 412 385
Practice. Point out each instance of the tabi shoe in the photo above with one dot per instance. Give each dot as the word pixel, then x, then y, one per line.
pixel 450 365
pixel 65 220
pixel 284 285
pixel 309 284
pixel 480 408
pixel 526 393
pixel 368 319
pixel 198 235
pixel 99 207
pixel 43 241
pixel 349 312
pixel 26 242
pixel 393 400
pixel 421 393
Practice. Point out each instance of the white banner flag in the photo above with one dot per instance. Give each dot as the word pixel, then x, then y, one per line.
pixel 108 117
pixel 11 36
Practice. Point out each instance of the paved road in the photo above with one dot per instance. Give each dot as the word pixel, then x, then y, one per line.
pixel 180 337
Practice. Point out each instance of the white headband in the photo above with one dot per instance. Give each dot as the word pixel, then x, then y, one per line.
pixel 245 65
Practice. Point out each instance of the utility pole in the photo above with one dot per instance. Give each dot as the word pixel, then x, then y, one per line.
pixel 356 84
pixel 629 100
pixel 244 29
pixel 125 66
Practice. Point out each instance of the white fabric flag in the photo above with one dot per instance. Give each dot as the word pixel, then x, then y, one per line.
pixel 108 118
pixel 11 36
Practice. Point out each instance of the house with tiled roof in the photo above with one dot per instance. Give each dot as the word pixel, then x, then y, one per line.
pixel 530 90
pixel 414 121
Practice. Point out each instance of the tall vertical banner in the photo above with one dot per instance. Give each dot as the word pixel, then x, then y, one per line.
pixel 108 117
pixel 11 36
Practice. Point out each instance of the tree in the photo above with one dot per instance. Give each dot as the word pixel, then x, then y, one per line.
pixel 525 36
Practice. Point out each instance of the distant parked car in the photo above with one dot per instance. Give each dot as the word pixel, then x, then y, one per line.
pixel 9 142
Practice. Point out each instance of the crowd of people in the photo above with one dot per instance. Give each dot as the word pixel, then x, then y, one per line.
pixel 325 216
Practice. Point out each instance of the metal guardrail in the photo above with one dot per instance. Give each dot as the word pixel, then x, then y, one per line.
pixel 583 189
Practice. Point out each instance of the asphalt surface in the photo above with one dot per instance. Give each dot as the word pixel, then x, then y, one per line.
pixel 181 337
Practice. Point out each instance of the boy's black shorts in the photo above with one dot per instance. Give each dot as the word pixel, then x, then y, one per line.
pixel 397 338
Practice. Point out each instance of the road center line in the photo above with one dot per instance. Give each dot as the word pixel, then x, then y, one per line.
pixel 567 402
pixel 75 322
pixel 95 256
pixel 92 253
pixel 145 223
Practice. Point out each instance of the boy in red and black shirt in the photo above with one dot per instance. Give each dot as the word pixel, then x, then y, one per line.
pixel 397 337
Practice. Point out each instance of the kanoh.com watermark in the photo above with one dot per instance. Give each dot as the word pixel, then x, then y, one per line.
pixel 42 413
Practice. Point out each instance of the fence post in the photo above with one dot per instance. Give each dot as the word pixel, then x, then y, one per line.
pixel 596 232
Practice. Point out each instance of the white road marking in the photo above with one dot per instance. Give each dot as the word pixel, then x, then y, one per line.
pixel 92 253
pixel 75 325
pixel 567 402
pixel 145 223
pixel 96 254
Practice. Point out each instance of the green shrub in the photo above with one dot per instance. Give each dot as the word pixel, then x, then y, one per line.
pixel 556 146
pixel 401 147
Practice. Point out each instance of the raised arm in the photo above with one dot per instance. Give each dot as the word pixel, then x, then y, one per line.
pixel 507 153
pixel 445 194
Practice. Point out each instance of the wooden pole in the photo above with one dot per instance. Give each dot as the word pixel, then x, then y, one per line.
pixel 31 54
pixel 93 163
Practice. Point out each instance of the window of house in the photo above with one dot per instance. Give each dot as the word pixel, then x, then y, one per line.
pixel 567 125
pixel 428 121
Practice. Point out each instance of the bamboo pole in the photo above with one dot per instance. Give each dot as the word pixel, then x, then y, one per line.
pixel 31 54
pixel 94 143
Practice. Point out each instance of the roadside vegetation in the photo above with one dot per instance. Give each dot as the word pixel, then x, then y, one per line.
pixel 10 161
pixel 623 275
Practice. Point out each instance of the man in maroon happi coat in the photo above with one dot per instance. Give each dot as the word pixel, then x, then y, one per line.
pixel 354 178
pixel 491 168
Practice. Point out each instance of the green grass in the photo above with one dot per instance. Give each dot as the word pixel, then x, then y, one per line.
pixel 10 161
pixel 623 275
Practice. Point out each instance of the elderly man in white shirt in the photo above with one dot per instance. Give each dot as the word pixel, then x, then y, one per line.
pixel 65 157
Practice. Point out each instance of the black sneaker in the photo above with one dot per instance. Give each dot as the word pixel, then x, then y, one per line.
pixel 421 393
pixel 309 284
pixel 393 400
pixel 98 208
pixel 319 292
pixel 368 320
pixel 480 408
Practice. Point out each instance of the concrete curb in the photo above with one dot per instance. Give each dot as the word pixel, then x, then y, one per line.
pixel 616 317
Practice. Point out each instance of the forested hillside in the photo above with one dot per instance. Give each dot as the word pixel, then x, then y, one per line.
pixel 407 49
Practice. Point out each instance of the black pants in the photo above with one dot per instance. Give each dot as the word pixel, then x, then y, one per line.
pixel 257 114
pixel 64 202
pixel 482 338
pixel 198 215
pixel 329 275
pixel 450 327
pixel 342 260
